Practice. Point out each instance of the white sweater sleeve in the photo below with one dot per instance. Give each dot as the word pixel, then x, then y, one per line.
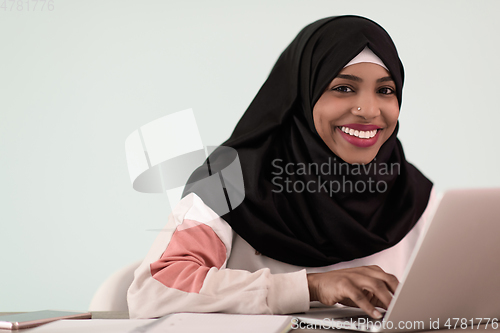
pixel 185 271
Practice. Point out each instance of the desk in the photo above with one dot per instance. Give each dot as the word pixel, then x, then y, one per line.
pixel 124 315
pixel 95 315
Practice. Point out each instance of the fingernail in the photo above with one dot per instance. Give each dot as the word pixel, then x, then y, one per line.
pixel 377 314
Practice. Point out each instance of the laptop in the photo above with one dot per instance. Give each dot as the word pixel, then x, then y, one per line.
pixel 453 276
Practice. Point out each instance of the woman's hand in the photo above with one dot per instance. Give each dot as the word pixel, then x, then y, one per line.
pixel 365 287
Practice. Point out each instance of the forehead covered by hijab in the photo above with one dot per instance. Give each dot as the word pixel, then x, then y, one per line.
pixel 326 46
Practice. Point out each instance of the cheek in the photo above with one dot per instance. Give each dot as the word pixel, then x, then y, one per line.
pixel 326 110
pixel 317 120
pixel 394 119
pixel 319 116
pixel 321 124
pixel 392 115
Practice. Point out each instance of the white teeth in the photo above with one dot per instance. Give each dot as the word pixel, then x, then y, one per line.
pixel 359 134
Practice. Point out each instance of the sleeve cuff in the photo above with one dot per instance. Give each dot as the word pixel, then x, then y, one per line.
pixel 288 293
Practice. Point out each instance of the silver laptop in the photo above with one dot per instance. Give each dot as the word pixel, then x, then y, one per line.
pixel 453 276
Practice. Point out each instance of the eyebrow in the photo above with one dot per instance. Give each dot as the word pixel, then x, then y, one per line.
pixel 358 79
pixel 385 79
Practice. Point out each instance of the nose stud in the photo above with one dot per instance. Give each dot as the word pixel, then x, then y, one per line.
pixel 359 115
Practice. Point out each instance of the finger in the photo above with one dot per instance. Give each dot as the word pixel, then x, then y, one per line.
pixel 380 292
pixel 377 287
pixel 369 295
pixel 390 279
pixel 377 303
pixel 359 298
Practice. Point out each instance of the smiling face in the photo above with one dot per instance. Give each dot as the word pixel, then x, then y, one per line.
pixel 356 135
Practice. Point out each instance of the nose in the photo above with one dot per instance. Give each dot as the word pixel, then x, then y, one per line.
pixel 367 106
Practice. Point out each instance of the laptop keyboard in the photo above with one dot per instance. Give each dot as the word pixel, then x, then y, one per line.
pixel 365 316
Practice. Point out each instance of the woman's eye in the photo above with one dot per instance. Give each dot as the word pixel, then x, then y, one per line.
pixel 386 91
pixel 344 89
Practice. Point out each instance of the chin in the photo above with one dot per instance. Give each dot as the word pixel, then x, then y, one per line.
pixel 353 159
pixel 358 161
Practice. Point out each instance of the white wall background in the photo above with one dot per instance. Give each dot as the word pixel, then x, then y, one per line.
pixel 76 81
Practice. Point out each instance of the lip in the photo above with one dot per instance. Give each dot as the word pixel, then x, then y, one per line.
pixel 361 127
pixel 358 142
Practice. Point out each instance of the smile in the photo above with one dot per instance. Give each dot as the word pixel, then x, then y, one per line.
pixel 359 134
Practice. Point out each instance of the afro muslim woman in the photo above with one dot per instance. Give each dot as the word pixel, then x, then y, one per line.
pixel 327 209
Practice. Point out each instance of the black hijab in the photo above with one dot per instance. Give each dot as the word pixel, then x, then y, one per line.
pixel 330 221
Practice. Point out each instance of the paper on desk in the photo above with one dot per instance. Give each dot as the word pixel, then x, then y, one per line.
pixel 175 323
pixel 220 323
pixel 95 325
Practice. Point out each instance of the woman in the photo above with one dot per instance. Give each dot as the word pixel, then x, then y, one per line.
pixel 331 211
